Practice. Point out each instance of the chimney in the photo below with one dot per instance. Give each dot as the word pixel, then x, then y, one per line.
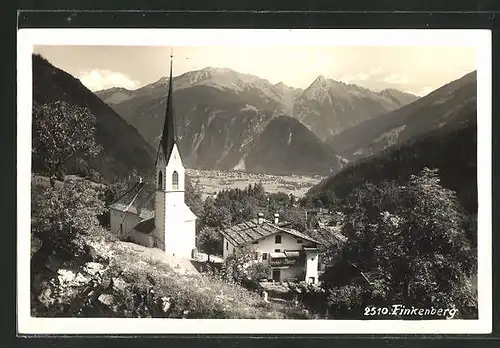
pixel 261 218
pixel 276 218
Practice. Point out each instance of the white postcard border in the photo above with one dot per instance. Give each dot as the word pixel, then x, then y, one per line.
pixel 27 38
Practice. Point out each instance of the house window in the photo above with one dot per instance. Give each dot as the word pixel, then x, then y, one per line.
pixel 277 250
pixel 264 256
pixel 160 180
pixel 277 239
pixel 175 181
pixel 227 245
pixel 256 256
pixel 299 241
pixel 256 242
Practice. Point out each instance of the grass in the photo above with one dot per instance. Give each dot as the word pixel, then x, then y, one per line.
pixel 201 296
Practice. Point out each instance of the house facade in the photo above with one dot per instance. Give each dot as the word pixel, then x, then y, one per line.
pixel 292 255
pixel 156 215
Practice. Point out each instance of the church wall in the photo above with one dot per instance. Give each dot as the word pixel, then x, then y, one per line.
pixel 180 238
pixel 160 219
pixel 141 238
pixel 174 164
pixel 130 220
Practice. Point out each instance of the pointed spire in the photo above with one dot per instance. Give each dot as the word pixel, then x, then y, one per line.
pixel 169 137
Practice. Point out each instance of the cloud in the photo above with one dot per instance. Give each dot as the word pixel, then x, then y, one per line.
pixel 96 80
pixel 422 92
pixel 396 79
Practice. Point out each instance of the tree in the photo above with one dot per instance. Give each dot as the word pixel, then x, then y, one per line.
pixel 63 219
pixel 214 215
pixel 296 216
pixel 62 132
pixel 193 198
pixel 413 235
pixel 209 240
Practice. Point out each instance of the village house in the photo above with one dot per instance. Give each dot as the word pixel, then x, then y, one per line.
pixel 157 216
pixel 292 255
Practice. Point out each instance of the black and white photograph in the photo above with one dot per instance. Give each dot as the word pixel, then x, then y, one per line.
pixel 254 181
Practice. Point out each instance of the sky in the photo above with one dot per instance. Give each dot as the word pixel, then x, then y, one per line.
pixel 413 69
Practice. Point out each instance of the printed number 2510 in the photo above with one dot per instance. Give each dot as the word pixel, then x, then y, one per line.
pixel 376 311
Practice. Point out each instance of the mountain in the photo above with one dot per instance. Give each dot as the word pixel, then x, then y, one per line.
pixel 328 107
pixel 115 95
pixel 220 112
pixel 287 146
pixel 451 150
pixel 448 106
pixel 221 115
pixel 124 150
pixel 398 97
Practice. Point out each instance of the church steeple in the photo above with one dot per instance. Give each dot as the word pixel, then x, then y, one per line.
pixel 169 137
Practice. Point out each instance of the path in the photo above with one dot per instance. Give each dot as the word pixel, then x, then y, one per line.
pixel 179 264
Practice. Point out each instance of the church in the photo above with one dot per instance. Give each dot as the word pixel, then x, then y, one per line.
pixel 158 217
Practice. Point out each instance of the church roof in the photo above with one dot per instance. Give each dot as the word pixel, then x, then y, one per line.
pixel 250 231
pixel 146 226
pixel 168 137
pixel 181 211
pixel 142 197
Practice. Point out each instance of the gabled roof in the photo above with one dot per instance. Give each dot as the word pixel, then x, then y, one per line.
pixel 250 231
pixel 143 204
pixel 327 236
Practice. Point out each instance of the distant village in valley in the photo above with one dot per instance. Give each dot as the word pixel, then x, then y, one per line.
pixel 209 182
pixel 324 222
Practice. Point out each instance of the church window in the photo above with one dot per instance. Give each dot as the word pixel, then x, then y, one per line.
pixel 160 180
pixel 175 181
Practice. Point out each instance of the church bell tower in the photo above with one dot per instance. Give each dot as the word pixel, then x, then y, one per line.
pixel 173 231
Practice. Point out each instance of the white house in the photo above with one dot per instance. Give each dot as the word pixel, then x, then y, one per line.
pixel 159 219
pixel 292 255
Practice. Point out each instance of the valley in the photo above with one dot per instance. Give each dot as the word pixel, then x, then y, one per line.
pixel 209 182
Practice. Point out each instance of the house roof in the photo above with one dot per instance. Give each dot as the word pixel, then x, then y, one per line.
pixel 250 231
pixel 327 236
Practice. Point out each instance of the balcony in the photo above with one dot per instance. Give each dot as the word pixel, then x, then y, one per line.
pixel 287 258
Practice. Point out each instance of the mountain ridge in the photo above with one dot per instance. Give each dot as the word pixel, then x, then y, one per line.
pixel 124 150
pixel 221 92
pixel 447 106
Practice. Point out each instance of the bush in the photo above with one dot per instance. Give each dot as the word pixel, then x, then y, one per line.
pixel 258 271
pixel 242 265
